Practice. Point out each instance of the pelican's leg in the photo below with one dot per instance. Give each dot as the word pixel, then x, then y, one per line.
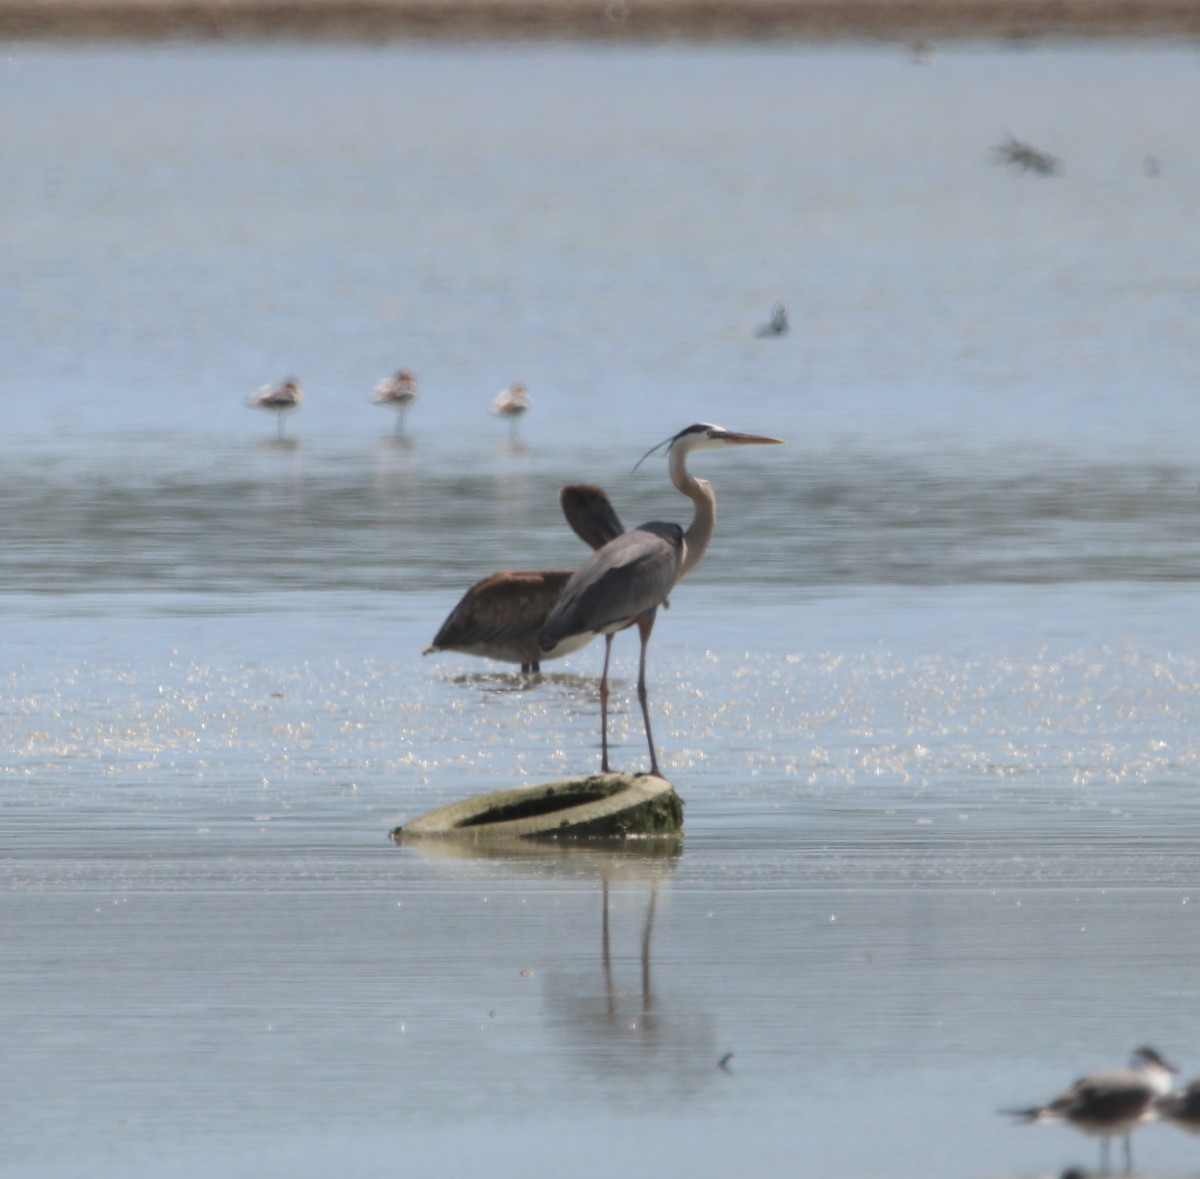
pixel 604 707
pixel 645 626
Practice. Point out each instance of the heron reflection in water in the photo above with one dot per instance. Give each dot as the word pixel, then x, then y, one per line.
pixel 397 392
pixel 623 584
pixel 279 399
pixel 501 616
pixel 1109 1104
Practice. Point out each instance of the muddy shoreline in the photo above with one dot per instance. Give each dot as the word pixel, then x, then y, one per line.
pixel 702 20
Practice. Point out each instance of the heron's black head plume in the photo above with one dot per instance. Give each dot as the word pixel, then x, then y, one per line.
pixel 696 428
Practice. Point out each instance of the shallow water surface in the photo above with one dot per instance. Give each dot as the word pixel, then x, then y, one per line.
pixel 932 698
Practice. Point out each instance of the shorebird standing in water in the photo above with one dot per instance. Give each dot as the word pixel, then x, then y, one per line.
pixel 279 399
pixel 512 403
pixel 1110 1104
pixel 777 325
pixel 397 392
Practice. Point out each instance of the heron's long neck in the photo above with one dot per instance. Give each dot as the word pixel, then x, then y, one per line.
pixel 704 518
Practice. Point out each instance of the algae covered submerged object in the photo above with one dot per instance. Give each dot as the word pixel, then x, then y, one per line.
pixel 599 806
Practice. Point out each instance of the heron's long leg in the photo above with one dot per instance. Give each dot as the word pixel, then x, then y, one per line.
pixel 645 625
pixel 1128 1153
pixel 604 707
pixel 1104 1163
pixel 279 426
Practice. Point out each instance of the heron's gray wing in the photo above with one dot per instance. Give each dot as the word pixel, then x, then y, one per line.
pixel 590 514
pixel 618 583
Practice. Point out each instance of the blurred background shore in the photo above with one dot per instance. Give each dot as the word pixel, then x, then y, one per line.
pixel 601 19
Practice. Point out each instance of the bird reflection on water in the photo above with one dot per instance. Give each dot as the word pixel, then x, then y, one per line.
pixel 610 1024
pixel 501 682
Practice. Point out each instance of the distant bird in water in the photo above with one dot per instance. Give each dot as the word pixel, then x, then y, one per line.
pixel 922 52
pixel 624 583
pixel 501 616
pixel 1028 159
pixel 1182 1107
pixel 777 325
pixel 1109 1104
pixel 397 392
pixel 279 399
pixel 512 403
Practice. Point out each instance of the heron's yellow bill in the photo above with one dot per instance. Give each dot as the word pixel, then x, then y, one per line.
pixel 736 439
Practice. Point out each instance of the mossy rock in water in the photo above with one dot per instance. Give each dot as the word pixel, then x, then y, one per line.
pixel 602 806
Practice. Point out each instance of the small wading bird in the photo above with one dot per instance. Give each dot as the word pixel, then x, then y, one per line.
pixel 777 325
pixel 1182 1107
pixel 501 616
pixel 1109 1104
pixel 279 399
pixel 397 392
pixel 624 583
pixel 512 403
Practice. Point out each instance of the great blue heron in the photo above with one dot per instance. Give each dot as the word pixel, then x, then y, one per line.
pixel 280 399
pixel 1109 1104
pixel 501 616
pixel 397 392
pixel 512 403
pixel 624 583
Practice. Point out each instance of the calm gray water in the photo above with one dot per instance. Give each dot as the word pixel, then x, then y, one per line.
pixel 932 699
